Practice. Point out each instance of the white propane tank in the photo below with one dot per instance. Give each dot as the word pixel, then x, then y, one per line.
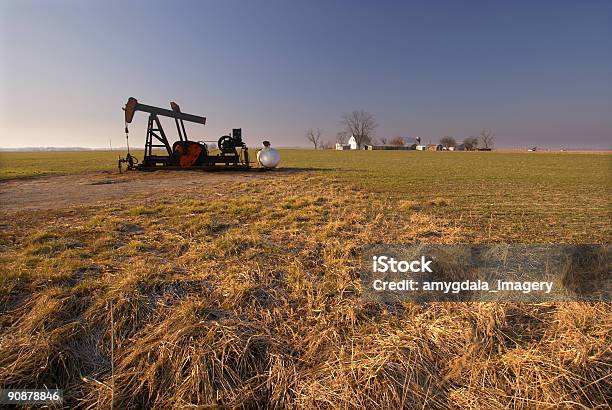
pixel 268 157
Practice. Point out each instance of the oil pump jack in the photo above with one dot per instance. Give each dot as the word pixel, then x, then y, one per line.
pixel 183 154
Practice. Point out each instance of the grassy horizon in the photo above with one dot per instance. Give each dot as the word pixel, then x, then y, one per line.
pixel 508 195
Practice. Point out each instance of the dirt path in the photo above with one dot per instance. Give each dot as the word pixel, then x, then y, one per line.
pixel 52 192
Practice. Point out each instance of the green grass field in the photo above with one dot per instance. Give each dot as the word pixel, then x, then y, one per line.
pixel 28 164
pixel 512 196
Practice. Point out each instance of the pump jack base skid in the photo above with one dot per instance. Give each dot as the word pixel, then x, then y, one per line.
pixel 212 168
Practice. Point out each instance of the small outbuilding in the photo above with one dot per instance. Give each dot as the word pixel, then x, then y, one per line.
pixel 406 144
pixel 390 147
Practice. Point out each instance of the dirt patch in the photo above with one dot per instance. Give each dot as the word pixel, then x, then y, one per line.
pixel 52 192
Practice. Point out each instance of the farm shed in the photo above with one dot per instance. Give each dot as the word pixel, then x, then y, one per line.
pixel 390 147
pixel 434 147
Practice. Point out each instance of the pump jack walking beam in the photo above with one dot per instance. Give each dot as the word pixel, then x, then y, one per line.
pixel 133 105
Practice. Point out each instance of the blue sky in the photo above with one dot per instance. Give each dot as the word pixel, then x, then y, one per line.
pixel 536 73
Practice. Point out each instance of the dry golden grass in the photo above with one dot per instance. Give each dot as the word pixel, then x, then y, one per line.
pixel 251 299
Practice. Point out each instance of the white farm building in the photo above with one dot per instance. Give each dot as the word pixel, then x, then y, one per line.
pixel 350 144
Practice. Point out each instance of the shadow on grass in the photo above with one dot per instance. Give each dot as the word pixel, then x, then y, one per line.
pixel 289 170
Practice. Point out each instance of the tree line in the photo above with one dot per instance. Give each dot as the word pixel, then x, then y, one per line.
pixel 485 140
pixel 361 124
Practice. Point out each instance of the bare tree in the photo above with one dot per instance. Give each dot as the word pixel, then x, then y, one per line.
pixel 448 141
pixel 470 143
pixel 327 145
pixel 487 138
pixel 384 140
pixel 398 141
pixel 361 124
pixel 314 136
pixel 341 137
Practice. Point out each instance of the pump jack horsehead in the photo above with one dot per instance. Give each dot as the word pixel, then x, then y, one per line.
pixel 183 154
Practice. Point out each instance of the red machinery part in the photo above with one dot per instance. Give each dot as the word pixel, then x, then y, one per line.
pixel 188 152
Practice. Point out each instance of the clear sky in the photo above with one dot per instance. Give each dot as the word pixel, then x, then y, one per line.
pixel 535 72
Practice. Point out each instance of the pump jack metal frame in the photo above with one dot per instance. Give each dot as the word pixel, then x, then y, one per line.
pixel 183 154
